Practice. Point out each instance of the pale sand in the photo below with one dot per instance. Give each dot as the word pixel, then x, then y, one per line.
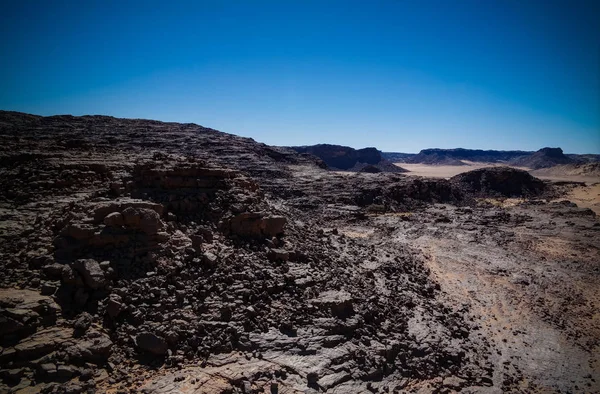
pixel 445 171
pixel 585 197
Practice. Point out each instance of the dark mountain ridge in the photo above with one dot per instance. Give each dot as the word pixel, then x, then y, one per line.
pixel 349 159
pixel 545 157
pixel 454 156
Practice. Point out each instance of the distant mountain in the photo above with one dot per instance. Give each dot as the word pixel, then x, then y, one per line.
pixel 546 157
pixel 543 158
pixel 397 157
pixel 349 159
pixel 586 158
pixel 455 156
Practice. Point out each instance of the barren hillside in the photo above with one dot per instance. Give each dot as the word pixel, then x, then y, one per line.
pixel 141 256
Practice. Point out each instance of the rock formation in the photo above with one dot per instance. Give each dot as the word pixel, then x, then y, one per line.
pixel 345 158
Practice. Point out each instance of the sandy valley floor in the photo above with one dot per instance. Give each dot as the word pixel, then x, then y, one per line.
pixel 442 171
pixel 447 171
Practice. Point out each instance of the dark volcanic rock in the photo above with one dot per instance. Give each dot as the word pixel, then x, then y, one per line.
pixel 499 181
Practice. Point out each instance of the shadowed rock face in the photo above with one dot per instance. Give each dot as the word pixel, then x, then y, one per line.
pixel 339 157
pixel 544 158
pixel 140 255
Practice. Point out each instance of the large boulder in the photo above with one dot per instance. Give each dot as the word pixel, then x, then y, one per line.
pixel 95 347
pixel 257 225
pixel 78 231
pixel 142 219
pixel 103 209
pixel 41 343
pixel 92 273
pixel 114 219
pixel 151 343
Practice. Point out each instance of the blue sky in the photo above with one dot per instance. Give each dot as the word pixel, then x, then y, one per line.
pixel 400 75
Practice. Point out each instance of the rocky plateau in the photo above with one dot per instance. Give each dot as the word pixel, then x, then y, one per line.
pixel 142 256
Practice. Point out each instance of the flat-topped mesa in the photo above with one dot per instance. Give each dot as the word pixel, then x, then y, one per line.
pixel 552 152
pixel 341 157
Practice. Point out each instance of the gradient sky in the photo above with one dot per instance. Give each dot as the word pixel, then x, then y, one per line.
pixel 399 75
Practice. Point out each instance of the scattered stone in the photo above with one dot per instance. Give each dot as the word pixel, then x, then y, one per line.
pixel 82 323
pixel 329 381
pixel 71 277
pixel 114 306
pixel 246 387
pixel 209 259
